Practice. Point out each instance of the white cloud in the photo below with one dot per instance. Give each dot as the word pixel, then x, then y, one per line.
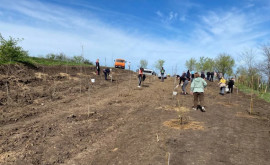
pixel 169 18
pixel 216 32
pixel 159 14
pixel 229 30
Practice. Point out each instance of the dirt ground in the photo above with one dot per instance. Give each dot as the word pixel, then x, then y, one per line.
pixel 55 115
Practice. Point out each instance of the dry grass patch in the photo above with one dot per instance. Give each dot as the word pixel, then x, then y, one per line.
pixel 10 156
pixel 172 108
pixel 175 124
pixel 64 75
pixel 41 75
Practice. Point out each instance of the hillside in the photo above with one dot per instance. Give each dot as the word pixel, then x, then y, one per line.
pixel 55 115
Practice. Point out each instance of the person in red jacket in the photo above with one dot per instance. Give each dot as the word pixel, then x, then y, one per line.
pixel 140 76
pixel 97 67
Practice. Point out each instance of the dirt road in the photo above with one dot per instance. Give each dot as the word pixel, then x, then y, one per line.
pixel 56 116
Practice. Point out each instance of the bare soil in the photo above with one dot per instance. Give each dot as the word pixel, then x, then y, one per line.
pixel 55 115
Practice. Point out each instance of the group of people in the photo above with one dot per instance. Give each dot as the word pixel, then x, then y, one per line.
pixel 210 76
pixel 198 84
pixel 142 76
pixel 106 71
pixel 223 85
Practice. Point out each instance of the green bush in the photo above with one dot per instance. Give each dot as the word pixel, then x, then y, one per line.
pixel 10 52
pixel 261 94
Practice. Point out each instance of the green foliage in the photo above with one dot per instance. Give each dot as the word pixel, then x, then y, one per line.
pixel 50 62
pixel 10 52
pixel 78 59
pixel 87 62
pixel 159 64
pixel 191 64
pixel 224 64
pixel 209 65
pixel 50 56
pixel 62 58
pixel 143 63
pixel 248 73
pixel 205 64
pixel 259 93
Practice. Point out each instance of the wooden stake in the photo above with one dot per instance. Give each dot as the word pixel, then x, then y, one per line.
pixel 169 155
pixel 237 86
pixel 89 100
pixel 230 97
pixel 251 98
pixel 157 138
pixel 258 83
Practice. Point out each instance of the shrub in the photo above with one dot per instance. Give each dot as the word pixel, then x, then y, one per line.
pixel 9 51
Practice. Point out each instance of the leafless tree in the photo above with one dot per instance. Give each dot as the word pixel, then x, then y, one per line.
pixel 250 62
pixel 264 66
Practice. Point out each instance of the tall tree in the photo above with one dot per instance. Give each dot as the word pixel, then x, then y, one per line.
pixel 209 65
pixel 265 64
pixel 200 64
pixel 224 64
pixel 159 64
pixel 143 63
pixel 248 58
pixel 248 71
pixel 191 64
pixel 205 64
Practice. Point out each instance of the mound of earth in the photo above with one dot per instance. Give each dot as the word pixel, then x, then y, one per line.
pixel 56 115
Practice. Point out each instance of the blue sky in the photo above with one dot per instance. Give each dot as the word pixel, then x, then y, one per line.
pixel 172 30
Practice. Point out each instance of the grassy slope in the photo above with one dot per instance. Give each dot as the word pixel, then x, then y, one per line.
pixel 262 95
pixel 48 62
pixel 44 61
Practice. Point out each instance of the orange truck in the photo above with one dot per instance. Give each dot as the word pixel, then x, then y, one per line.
pixel 120 63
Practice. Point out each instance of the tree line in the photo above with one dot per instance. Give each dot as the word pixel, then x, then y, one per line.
pixel 11 52
pixel 224 63
pixel 251 71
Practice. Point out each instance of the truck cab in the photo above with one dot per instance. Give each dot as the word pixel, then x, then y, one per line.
pixel 120 63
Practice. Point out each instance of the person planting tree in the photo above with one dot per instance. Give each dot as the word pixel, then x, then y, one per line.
pixel 197 88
